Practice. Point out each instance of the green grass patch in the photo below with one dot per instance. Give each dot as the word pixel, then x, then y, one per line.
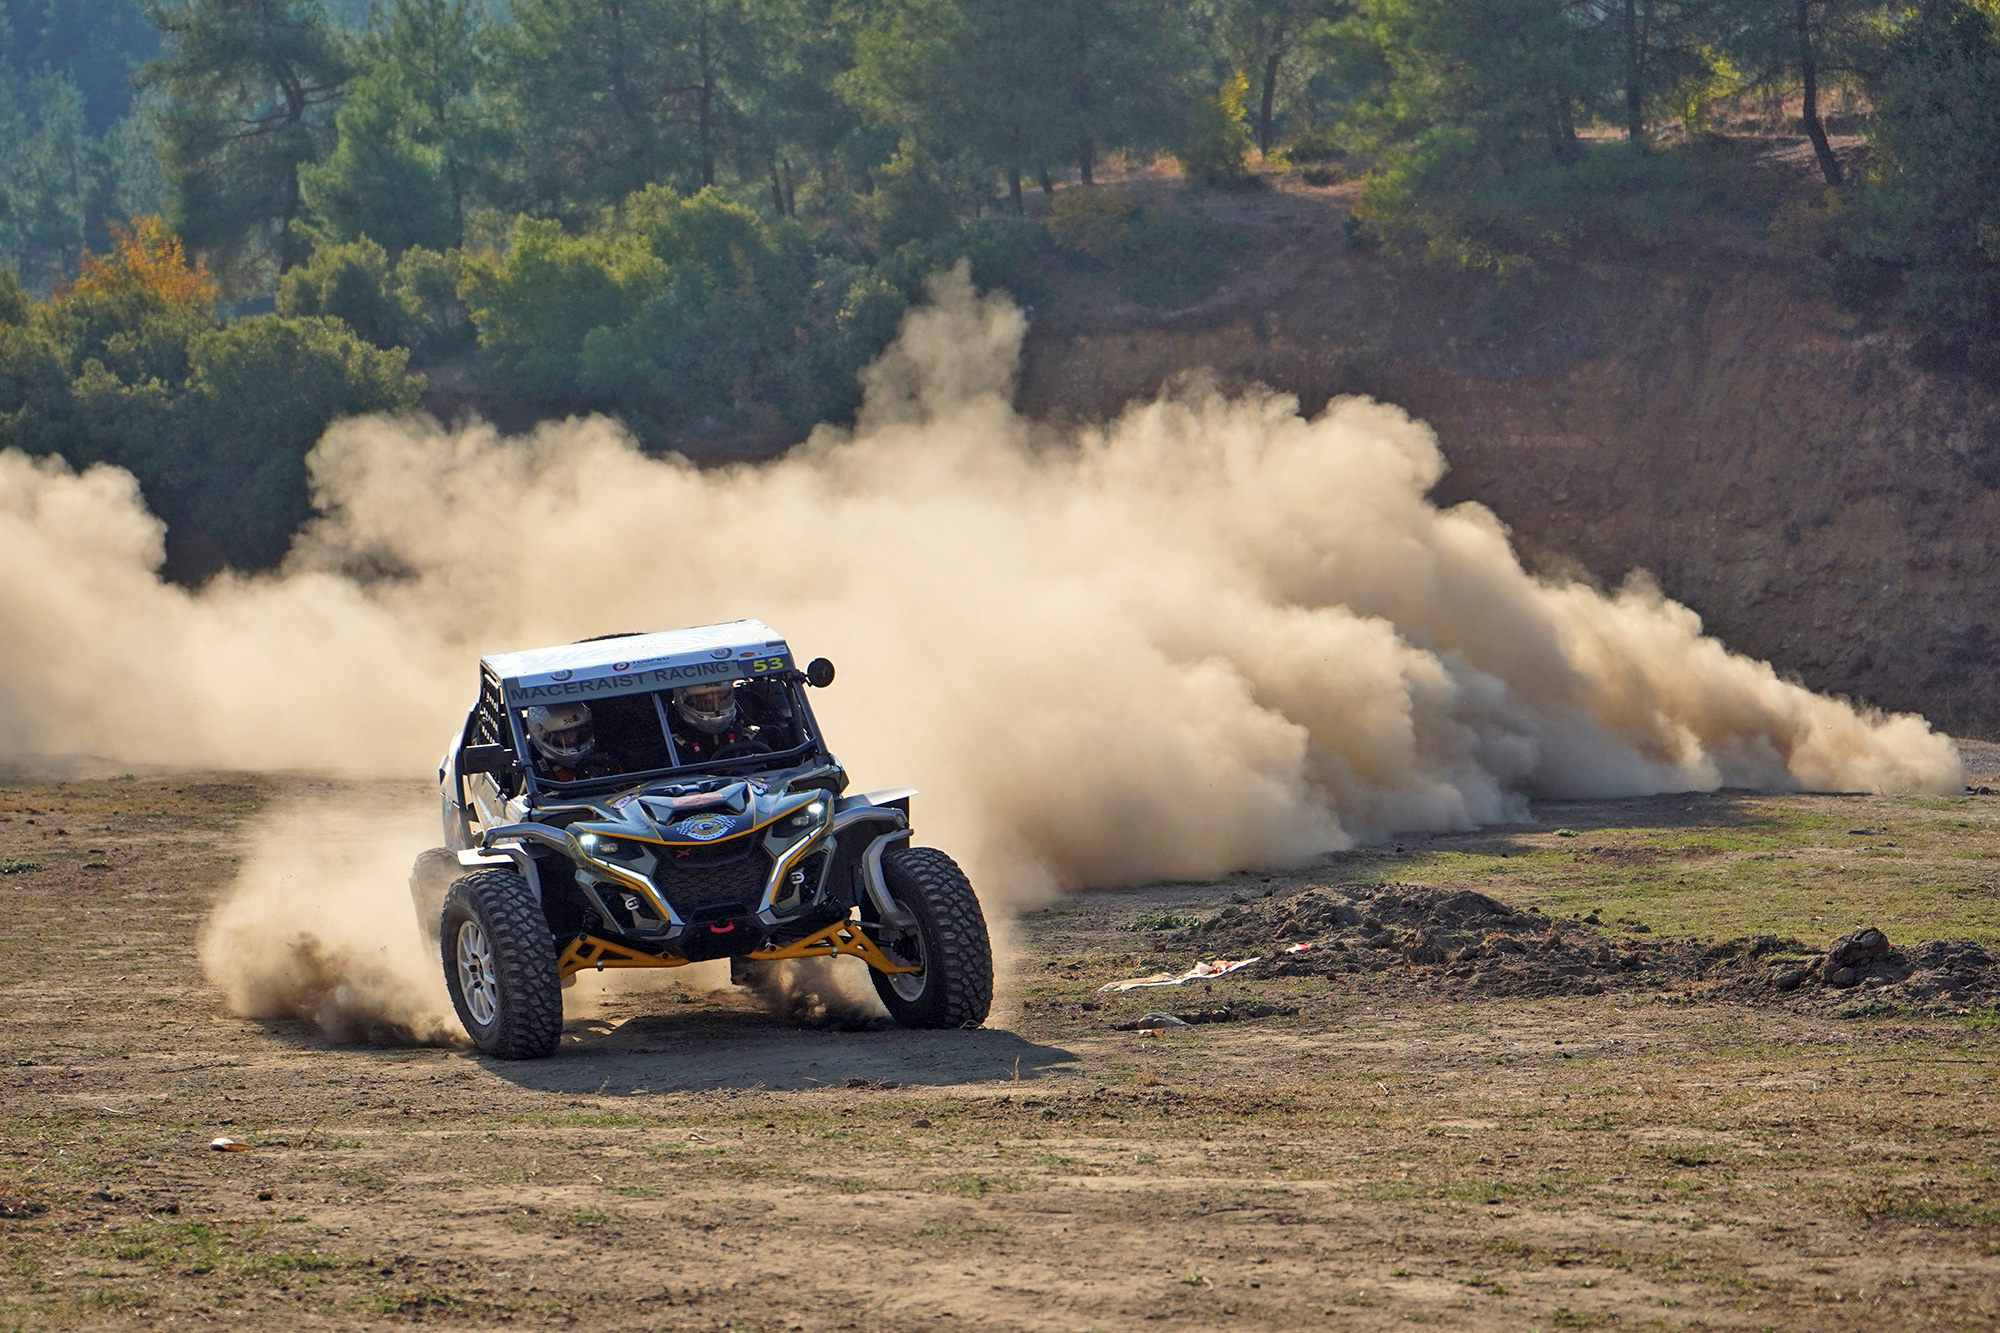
pixel 89 1307
pixel 197 1248
pixel 1931 1204
pixel 413 1304
pixel 1760 865
pixel 167 1247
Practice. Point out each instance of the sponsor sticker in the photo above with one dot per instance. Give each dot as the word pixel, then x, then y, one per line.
pixel 704 828
pixel 655 678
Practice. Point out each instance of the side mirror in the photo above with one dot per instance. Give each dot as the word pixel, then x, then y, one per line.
pixel 819 673
pixel 485 759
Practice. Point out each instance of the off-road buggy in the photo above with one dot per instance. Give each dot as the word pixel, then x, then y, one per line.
pixel 751 852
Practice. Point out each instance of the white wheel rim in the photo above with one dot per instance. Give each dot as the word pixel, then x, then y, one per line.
pixel 476 979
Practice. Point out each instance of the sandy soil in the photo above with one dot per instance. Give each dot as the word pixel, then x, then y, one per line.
pixel 1403 1147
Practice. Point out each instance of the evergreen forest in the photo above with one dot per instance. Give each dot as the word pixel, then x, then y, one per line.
pixel 225 223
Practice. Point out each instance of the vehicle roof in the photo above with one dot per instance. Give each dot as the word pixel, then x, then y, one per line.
pixel 636 663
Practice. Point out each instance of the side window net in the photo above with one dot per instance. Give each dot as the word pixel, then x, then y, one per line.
pixel 487 728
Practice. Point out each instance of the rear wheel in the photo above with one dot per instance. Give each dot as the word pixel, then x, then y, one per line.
pixel 430 879
pixel 953 984
pixel 500 966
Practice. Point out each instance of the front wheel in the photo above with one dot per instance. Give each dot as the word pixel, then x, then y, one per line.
pixel 953 984
pixel 500 966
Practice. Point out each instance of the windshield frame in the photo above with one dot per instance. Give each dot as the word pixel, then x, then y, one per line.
pixel 812 747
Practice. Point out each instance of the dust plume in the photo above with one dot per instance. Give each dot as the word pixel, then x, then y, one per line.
pixel 318 924
pixel 608 996
pixel 818 992
pixel 1212 634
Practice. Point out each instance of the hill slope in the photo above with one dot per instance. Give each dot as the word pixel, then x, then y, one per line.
pixel 1787 468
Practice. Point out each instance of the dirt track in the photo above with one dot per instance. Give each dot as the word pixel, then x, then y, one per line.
pixel 1401 1149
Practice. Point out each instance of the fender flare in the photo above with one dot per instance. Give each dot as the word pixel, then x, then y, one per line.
pixel 878 887
pixel 876 808
pixel 510 854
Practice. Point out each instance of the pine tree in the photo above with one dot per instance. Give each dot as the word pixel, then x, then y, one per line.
pixel 415 140
pixel 1932 204
pixel 609 96
pixel 248 88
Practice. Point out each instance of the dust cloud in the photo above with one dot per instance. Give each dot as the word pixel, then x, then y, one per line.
pixel 818 992
pixel 318 923
pixel 1211 635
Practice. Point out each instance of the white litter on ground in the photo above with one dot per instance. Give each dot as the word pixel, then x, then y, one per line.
pixel 1198 972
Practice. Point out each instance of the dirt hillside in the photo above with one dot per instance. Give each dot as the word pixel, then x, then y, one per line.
pixel 1784 466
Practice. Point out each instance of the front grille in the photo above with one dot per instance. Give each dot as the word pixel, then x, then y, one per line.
pixel 711 891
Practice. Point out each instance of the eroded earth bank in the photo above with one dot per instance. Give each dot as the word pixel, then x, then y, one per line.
pixel 1801 474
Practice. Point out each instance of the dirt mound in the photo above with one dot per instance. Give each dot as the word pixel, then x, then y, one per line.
pixel 1466 941
pixel 1939 973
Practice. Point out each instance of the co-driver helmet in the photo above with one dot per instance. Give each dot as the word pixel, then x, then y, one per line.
pixel 710 708
pixel 561 732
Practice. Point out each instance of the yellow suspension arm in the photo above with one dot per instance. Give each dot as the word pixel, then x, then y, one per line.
pixel 842 937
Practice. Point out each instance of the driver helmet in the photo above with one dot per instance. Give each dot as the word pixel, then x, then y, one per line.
pixel 561 732
pixel 710 708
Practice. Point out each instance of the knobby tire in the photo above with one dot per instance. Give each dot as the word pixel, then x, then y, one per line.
pixel 958 954
pixel 529 1023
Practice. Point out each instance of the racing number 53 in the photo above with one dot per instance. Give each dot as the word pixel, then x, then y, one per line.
pixel 759 665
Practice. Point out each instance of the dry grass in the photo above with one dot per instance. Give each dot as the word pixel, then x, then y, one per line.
pixel 1641 1159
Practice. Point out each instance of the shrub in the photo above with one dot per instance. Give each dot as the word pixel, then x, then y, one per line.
pixel 870 310
pixel 1000 252
pixel 147 258
pixel 1162 258
pixel 134 308
pixel 912 199
pixel 15 302
pixel 1326 173
pixel 128 366
pixel 350 283
pixel 1220 139
pixel 1172 260
pixel 424 286
pixel 535 306
pixel 724 327
pixel 1092 222
pixel 1445 199
pixel 260 393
